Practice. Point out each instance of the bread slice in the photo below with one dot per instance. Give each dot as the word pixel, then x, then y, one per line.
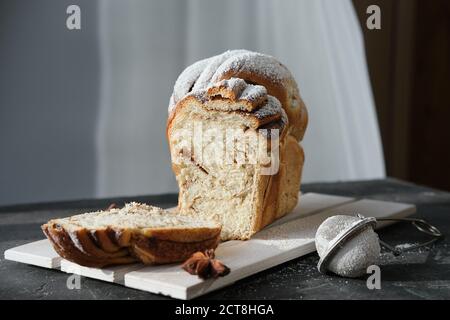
pixel 137 232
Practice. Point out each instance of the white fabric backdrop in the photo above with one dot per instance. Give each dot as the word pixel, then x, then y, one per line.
pixel 146 44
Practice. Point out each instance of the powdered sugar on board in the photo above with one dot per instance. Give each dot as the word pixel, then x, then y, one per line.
pixel 290 237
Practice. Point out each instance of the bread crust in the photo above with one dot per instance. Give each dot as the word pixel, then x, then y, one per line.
pixel 276 195
pixel 104 247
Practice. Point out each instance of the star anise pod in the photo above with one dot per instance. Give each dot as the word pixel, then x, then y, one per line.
pixel 205 266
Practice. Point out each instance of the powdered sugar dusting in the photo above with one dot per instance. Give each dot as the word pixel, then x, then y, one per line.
pixel 201 74
pixel 230 88
pixel 253 62
pixel 354 255
pixel 271 108
pixel 290 234
pixel 210 69
pixel 405 246
pixel 237 89
pixel 186 81
pixel 285 236
pixel 253 93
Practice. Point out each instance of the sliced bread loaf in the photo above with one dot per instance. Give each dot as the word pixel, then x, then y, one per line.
pixel 137 232
pixel 234 125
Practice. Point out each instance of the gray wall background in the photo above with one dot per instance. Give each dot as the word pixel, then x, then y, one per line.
pixel 83 113
pixel 49 79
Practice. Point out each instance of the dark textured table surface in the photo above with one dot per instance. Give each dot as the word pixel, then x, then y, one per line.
pixel 421 274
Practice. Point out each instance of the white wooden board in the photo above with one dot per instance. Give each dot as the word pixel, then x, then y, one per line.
pixel 288 238
pixel 110 274
pixel 39 253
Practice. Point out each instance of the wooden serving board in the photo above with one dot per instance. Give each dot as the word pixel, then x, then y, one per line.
pixel 288 238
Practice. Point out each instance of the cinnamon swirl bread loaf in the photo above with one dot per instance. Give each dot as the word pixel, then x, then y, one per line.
pixel 234 126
